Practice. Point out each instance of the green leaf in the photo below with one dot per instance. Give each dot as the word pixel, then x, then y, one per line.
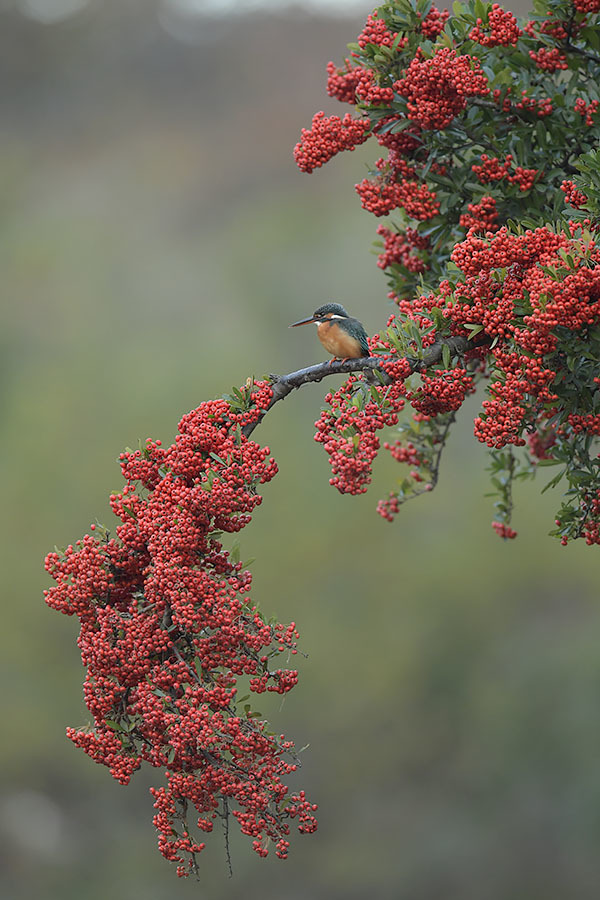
pixel 553 482
pixel 396 41
pixel 474 327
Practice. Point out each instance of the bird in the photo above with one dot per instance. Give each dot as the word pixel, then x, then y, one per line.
pixel 340 334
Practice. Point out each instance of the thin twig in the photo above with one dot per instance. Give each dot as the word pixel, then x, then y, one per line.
pixel 225 815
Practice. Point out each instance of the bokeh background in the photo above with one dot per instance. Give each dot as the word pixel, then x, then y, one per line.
pixel 155 241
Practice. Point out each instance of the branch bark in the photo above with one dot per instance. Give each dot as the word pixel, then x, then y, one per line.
pixel 285 384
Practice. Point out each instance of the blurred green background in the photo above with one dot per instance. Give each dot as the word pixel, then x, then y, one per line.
pixel 155 241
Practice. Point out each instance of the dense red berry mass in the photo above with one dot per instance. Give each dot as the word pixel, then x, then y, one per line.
pixel 501 29
pixel 168 628
pixel 436 89
pixel 348 428
pixel 328 136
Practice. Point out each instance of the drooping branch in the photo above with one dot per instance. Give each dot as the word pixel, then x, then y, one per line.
pixel 285 384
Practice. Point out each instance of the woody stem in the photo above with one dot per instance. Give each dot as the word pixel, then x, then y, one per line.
pixel 285 384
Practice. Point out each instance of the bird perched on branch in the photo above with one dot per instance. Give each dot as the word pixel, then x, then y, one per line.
pixel 340 334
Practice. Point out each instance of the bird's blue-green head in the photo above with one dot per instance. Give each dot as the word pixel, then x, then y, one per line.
pixel 327 311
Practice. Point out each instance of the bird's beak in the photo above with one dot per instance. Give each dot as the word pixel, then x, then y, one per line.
pixel 302 322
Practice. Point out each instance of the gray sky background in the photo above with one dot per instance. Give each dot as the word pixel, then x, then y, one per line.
pixel 53 11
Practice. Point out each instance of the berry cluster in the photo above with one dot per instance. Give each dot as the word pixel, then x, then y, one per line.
pixel 481 217
pixel 588 110
pixel 375 32
pixel 378 196
pixel 491 169
pixel 590 423
pixel 417 200
pixel 573 196
pixel 168 628
pixel 347 427
pixel 442 392
pixel 434 22
pixel 399 249
pixel 504 531
pixel 329 135
pixel 542 106
pixel 500 30
pixel 555 28
pixel 389 508
pixel 381 195
pixel 370 93
pixel 436 89
pixel 591 519
pixel 524 178
pixel 342 83
pixel 587 6
pixel 549 60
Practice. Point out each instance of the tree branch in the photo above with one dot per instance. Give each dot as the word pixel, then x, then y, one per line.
pixel 285 384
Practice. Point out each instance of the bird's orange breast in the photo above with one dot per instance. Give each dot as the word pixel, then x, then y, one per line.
pixel 337 341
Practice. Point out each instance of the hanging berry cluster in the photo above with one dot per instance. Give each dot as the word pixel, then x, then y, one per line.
pixel 168 629
pixel 348 428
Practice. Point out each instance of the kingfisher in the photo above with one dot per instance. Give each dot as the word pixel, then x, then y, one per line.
pixel 340 334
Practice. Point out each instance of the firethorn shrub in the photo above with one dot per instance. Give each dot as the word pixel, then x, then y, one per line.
pixel 489 179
